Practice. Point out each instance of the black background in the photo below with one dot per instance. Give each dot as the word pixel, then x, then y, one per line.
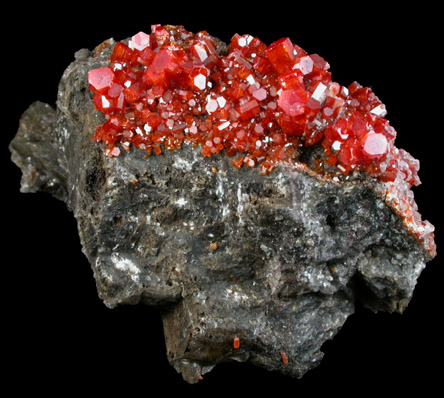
pixel 61 338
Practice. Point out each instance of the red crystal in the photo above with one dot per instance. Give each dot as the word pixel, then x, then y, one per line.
pixel 100 78
pixel 165 63
pixel 293 101
pixel 248 110
pixel 121 53
pixel 281 55
pixel 350 153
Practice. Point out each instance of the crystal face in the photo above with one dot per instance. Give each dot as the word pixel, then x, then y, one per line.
pixel 263 105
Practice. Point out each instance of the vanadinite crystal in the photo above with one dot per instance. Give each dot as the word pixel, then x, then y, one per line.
pixel 261 105
pixel 242 192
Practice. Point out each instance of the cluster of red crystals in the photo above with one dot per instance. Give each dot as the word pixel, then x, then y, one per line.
pixel 261 105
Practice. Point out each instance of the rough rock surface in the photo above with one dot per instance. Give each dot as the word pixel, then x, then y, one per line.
pixel 276 261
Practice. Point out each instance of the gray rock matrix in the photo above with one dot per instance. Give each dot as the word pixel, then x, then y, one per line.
pixel 276 261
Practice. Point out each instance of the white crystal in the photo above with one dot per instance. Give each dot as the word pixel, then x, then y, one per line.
pixel 105 102
pixel 336 145
pixel 379 110
pixel 221 101
pixel 140 41
pixel 242 42
pixel 201 52
pixel 211 105
pixel 250 79
pixel 200 81
pixel 223 125
pixel 319 91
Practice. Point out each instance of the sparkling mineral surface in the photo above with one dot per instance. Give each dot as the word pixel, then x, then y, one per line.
pixel 236 187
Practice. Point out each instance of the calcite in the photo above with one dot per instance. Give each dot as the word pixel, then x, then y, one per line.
pixel 236 187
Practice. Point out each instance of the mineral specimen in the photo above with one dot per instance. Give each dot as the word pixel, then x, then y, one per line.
pixel 237 188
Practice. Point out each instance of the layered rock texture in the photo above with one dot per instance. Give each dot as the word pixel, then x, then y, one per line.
pixel 244 265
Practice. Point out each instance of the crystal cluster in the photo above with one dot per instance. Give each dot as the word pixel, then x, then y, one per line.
pixel 262 105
